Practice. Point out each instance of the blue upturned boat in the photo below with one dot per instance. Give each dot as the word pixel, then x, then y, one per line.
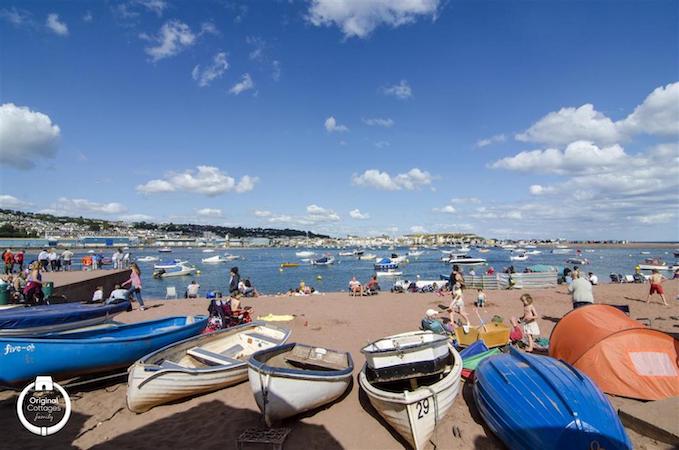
pixel 76 353
pixel 537 402
pixel 38 320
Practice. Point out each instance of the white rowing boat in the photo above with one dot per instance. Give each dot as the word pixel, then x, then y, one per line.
pixel 295 378
pixel 198 365
pixel 414 406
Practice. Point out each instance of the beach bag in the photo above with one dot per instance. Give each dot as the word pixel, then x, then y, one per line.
pixel 516 334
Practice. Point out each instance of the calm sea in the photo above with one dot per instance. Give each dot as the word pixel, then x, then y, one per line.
pixel 262 267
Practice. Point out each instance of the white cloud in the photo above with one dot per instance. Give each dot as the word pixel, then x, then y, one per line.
pixel 11 202
pixel 463 200
pixel 537 189
pixel 245 84
pixel 263 213
pixel 17 17
pixel 401 91
pixel 135 218
pixel 382 144
pixel 209 212
pixel 215 70
pixel 358 215
pixel 656 218
pixel 379 122
pixel 491 140
pixel 276 70
pixel 66 205
pixel 55 25
pixel 579 156
pixel 155 6
pixel 258 45
pixel 411 180
pixel 418 229
pixel 331 125
pixel 26 136
pixel 358 18
pixel 174 37
pixel 88 17
pixel 658 114
pixel 206 180
pixel 281 219
pixel 319 214
pixel 448 209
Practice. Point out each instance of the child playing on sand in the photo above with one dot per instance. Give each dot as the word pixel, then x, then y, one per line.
pixel 656 279
pixel 480 298
pixel 529 321
pixel 457 307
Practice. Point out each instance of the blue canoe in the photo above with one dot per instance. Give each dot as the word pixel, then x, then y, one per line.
pixel 537 402
pixel 37 320
pixel 77 353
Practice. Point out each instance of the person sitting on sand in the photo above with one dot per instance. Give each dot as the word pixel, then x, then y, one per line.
pixel 581 290
pixel 192 290
pixel 457 307
pixel 373 285
pixel 118 294
pixel 245 287
pixel 593 278
pixel 529 321
pixel 355 287
pixel 431 322
pixel 656 280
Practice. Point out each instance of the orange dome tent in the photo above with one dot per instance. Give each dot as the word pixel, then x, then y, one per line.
pixel 621 355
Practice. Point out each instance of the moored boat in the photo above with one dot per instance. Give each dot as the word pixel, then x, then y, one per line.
pixel 169 264
pixel 521 257
pixel 464 260
pixel 214 260
pixel 148 259
pixel 533 402
pixel 179 271
pixel 38 320
pixel 323 261
pixel 578 260
pixel 294 378
pixel 305 254
pixel 415 406
pixel 77 353
pixel 165 250
pixel 654 264
pixel 198 365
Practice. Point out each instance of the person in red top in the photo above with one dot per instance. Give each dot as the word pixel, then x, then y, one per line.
pixel 9 262
pixel 19 260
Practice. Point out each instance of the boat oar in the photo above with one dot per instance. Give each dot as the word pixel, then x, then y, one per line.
pixel 483 324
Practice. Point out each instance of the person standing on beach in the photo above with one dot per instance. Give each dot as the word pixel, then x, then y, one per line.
pixel 43 259
pixel 19 260
pixel 66 256
pixel 656 280
pixel 53 257
pixel 234 281
pixel 457 307
pixel 581 290
pixel 8 259
pixel 529 321
pixel 33 290
pixel 135 285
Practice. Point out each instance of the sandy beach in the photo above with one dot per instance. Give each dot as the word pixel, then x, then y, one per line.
pixel 100 418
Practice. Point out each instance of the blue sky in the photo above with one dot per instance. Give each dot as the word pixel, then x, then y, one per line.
pixel 508 119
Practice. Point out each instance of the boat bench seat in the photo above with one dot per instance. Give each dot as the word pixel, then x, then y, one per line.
pixel 262 337
pixel 212 358
pixel 171 365
pixel 232 351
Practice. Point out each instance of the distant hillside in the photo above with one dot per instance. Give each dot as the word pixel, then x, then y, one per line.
pixel 24 224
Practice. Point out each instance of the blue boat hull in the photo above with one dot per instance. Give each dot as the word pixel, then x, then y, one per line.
pixel 535 402
pixel 38 320
pixel 80 353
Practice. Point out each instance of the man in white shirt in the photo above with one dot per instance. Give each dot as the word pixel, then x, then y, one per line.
pixel 53 258
pixel 66 256
pixel 593 279
pixel 43 259
pixel 115 259
pixel 581 290
pixel 192 290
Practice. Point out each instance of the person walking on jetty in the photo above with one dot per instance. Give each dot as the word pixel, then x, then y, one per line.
pixel 581 290
pixel 66 257
pixel 44 259
pixel 135 285
pixel 656 280
pixel 53 259
pixel 19 260
pixel 8 258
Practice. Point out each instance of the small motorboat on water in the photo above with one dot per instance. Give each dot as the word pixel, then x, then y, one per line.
pixel 388 273
pixel 165 250
pixel 521 257
pixel 289 264
pixel 323 261
pixel 180 271
pixel 367 257
pixel 169 264
pixel 394 258
pixel 208 250
pixel 305 254
pixel 538 402
pixel 148 259
pixel 230 257
pixel 40 320
pixel 578 260
pixel 198 365
pixel 214 260
pixel 416 253
pixel 77 353
pixel 463 259
pixel 654 264
pixel 676 254
pixel 294 378
pixel 533 252
pixel 345 254
pixel 415 405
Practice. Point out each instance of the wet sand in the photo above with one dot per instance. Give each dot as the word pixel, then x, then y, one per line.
pixel 101 420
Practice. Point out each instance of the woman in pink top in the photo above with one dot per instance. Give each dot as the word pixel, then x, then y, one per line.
pixel 135 285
